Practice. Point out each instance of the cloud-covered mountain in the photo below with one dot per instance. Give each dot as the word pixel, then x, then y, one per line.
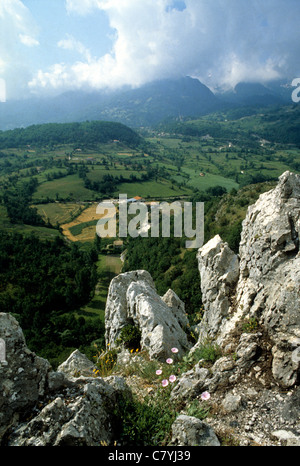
pixel 48 48
pixel 144 106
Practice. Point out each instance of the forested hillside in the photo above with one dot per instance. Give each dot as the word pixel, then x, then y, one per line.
pixel 41 282
pixel 90 133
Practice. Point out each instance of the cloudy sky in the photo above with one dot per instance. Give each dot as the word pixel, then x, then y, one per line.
pixel 50 46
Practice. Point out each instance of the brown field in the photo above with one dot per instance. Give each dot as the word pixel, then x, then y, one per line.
pixel 88 234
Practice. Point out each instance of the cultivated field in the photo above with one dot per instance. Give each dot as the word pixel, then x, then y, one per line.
pixel 89 218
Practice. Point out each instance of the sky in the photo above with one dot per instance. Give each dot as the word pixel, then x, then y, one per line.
pixel 51 46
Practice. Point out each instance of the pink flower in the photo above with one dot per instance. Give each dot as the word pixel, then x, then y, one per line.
pixel 205 396
pixel 165 383
pixel 174 350
pixel 172 378
pixel 169 361
pixel 158 372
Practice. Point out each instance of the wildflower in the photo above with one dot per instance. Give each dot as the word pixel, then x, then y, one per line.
pixel 165 382
pixel 174 350
pixel 205 396
pixel 169 361
pixel 172 378
pixel 158 372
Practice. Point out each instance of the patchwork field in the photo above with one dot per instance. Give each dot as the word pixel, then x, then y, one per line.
pixel 85 223
pixel 59 213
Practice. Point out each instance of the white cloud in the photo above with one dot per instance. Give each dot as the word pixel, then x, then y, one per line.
pixel 70 43
pixel 27 40
pixel 17 29
pixel 82 7
pixel 221 42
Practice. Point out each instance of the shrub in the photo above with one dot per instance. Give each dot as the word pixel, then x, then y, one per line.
pixel 130 336
pixel 146 423
pixel 198 410
pixel 250 325
pixel 105 363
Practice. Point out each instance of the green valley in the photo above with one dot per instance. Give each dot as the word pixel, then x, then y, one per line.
pixel 52 178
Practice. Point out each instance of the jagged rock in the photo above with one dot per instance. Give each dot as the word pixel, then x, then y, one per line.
pixel 190 431
pixel 23 379
pixel 264 283
pixel 232 403
pixel 64 409
pixel 191 383
pixel 132 298
pixel 77 364
pixel 219 272
pixel 177 306
pixel 223 373
pixel 85 419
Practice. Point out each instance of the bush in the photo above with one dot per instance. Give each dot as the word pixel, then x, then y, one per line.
pixel 130 336
pixel 146 423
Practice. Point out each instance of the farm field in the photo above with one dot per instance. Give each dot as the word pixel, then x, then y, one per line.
pixel 181 161
pixel 85 223
pixel 58 212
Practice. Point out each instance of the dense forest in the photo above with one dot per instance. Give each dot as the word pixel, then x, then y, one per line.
pixel 87 133
pixel 17 203
pixel 41 281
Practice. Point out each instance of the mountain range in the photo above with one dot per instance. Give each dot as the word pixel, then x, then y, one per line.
pixel 145 106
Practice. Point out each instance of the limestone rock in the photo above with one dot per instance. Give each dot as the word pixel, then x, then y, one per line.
pixel 219 272
pixel 64 408
pixel 190 431
pixel 177 306
pixel 132 298
pixel 262 285
pixel 84 419
pixel 232 403
pixel 191 383
pixel 77 364
pixel 269 284
pixel 23 379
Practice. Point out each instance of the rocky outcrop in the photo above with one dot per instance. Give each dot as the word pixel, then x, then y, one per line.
pixel 261 286
pixel 79 416
pixel 190 431
pixel 42 407
pixel 252 313
pixel 132 299
pixel 219 273
pixel 251 302
pixel 23 379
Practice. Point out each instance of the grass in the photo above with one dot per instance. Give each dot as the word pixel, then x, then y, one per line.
pixel 69 186
pixel 77 229
pixel 209 180
pixel 58 212
pixel 41 232
pixel 107 268
pixel 152 189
